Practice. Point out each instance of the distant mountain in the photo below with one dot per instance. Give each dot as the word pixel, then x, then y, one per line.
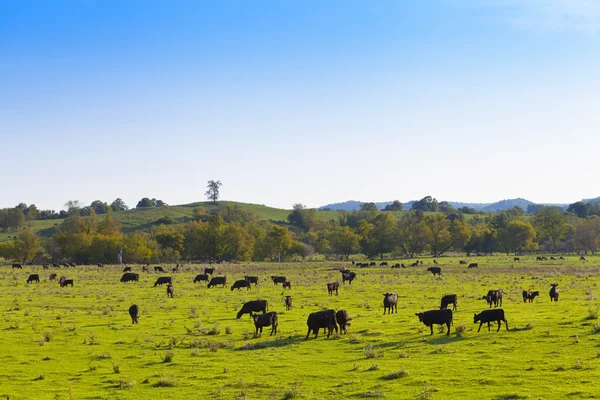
pixel 507 204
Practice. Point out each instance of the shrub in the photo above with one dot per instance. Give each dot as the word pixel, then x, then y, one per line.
pixel 460 329
pixel 401 373
pixel 168 357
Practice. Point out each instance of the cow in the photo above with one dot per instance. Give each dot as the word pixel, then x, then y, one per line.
pixel 489 316
pixel 331 287
pixel 554 292
pixel 415 264
pixel 287 285
pixel 343 319
pixel 348 276
pixel 45 266
pixel 529 295
pixel 383 264
pixel 200 278
pixel 55 265
pixel 473 265
pixel 162 280
pixel 435 270
pixel 52 277
pixel 538 258
pixel 134 313
pixel 516 259
pixel 253 306
pixel 372 264
pixel 363 265
pixel 127 269
pixel 33 278
pixel 278 279
pixel 219 280
pixel 390 303
pixel 17 266
pixel 252 279
pixel 462 262
pixel 209 271
pixel 325 319
pixel 65 282
pixel 582 258
pixel 288 303
pixel 435 262
pixel 553 259
pixel 262 320
pixel 494 297
pixel 100 265
pixel 145 269
pixel 130 277
pixel 561 258
pixel 170 290
pixel 449 299
pixel 439 317
pixel 240 284
pixel 72 264
pixel 158 268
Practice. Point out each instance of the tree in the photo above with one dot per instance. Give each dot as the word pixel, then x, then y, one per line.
pixel 395 206
pixel 118 205
pixel 517 236
pixel 213 190
pixel 73 206
pixel 344 241
pixel 26 246
pixel 100 207
pixel 145 202
pixel 370 207
pixel 302 217
pixel 378 235
pixel 437 231
pixel 446 207
pixel 552 223
pixel 412 236
pixel 427 203
pixel 279 240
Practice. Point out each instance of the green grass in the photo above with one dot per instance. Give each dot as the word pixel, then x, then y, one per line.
pixel 79 342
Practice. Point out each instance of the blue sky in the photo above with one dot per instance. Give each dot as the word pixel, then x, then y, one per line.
pixel 299 101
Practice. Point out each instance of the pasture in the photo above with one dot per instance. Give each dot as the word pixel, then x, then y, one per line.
pixel 79 343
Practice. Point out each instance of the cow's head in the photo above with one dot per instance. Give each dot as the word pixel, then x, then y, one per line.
pixel 554 284
pixel 475 319
pixel 420 315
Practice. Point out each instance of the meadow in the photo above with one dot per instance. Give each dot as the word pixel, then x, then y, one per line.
pixel 78 342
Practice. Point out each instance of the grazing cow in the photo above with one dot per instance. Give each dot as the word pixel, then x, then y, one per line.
pixel 325 319
pixel 554 292
pixel 65 282
pixel 538 258
pixel 127 269
pixel 288 303
pixel 278 279
pixel 200 278
pixel 17 266
pixel 145 269
pixel 516 259
pixel 364 265
pixel 287 285
pixel 253 306
pixel 449 299
pixel 343 319
pixel 252 279
pixel 240 284
pixel 582 258
pixel 170 290
pixel 348 276
pixel 383 264
pixel 52 277
pixel 473 265
pixel 158 269
pixel 561 258
pixel 134 313
pixel 435 262
pixel 439 317
pixel 130 277
pixel 331 287
pixel 494 297
pixel 209 271
pixel 489 316
pixel 268 319
pixel 45 266
pixel 55 265
pixel 33 278
pixel 390 303
pixel 529 295
pixel 435 270
pixel 462 262
pixel 415 264
pixel 372 264
pixel 553 259
pixel 72 264
pixel 219 280
pixel 100 265
pixel 162 280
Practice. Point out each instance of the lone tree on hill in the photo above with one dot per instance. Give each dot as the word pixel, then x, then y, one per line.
pixel 213 190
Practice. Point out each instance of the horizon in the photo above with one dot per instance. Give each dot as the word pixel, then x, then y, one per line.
pixel 295 102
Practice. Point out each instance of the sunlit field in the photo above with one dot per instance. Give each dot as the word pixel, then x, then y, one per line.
pixel 79 343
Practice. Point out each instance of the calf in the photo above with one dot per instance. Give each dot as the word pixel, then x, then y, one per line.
pixel 253 306
pixel 529 295
pixel 490 316
pixel 240 284
pixel 348 276
pixel 554 292
pixel 33 278
pixel 462 262
pixel 252 279
pixel 449 299
pixel 219 280
pixel 17 266
pixel 390 303
pixel 439 317
pixel 162 280
pixel 516 259
pixel 288 303
pixel 127 269
pixel 582 258
pixel 170 290
pixel 494 297
pixel 134 313
pixel 343 319
pixel 287 285
pixel 322 319
pixel 145 269
pixel 158 269
pixel 65 282
pixel 383 264
pixel 331 287
pixel 45 266
pixel 268 319
pixel 209 271
pixel 278 279
pixel 473 265
pixel 130 277
pixel 100 265
pixel 200 278
pixel 52 277
pixel 372 264
pixel 435 270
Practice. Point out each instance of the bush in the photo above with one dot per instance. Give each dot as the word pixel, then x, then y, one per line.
pixel 168 357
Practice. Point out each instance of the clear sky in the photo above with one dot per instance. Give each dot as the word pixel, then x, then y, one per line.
pixel 307 101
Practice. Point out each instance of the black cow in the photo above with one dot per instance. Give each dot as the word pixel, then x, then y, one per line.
pixel 45 266
pixel 170 290
pixel 201 277
pixel 462 262
pixel 439 317
pixel 287 285
pixel 372 264
pixel 219 280
pixel 240 284
pixel 363 265
pixel 52 277
pixel 268 319
pixel 209 271
pixel 100 265
pixel 582 258
pixel 538 258
pixel 65 282
pixel 134 313
pixel 473 265
pixel 561 258
pixel 435 262
pixel 348 276
pixel 331 287
pixel 435 270
pixel 494 297
pixel 343 320
pixel 130 277
pixel 252 279
pixel 158 269
pixel 33 278
pixel 383 264
pixel 529 295
pixel 17 266
pixel 278 279
pixel 325 319
pixel 127 269
pixel 554 292
pixel 145 269
pixel 489 316
pixel 516 259
pixel 162 280
pixel 449 299
pixel 553 259
pixel 288 303
pixel 390 303
pixel 253 306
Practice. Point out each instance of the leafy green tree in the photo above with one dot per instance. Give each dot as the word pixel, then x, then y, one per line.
pixel 238 242
pixel 427 203
pixel 15 219
pixel 437 233
pixel 517 236
pixel 412 235
pixel 145 203
pixel 446 207
pixel 552 223
pixel 213 190
pixel 170 240
pixel 378 236
pixel 395 206
pixel 280 240
pixel 140 247
pixel 302 217
pixel 100 207
pixel 118 205
pixel 369 207
pixel 344 241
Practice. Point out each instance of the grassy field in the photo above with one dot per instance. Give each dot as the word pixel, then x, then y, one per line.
pixel 79 343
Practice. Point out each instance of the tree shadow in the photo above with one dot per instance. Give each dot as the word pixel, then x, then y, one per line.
pixel 275 343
